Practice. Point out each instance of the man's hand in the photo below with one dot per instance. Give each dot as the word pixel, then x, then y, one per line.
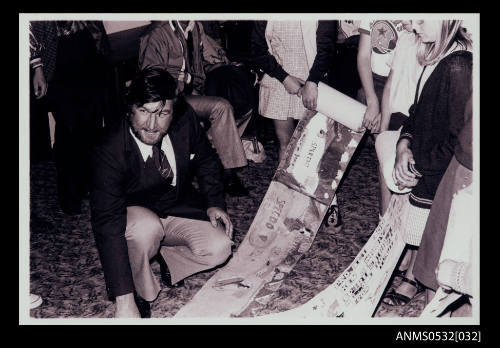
pixel 216 214
pixel 371 119
pixel 39 83
pixel 126 307
pixel 309 95
pixel 402 174
pixel 293 84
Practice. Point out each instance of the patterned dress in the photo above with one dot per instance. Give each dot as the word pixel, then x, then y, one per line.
pixel 287 46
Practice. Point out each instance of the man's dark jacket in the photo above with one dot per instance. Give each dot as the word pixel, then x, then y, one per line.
pixel 121 178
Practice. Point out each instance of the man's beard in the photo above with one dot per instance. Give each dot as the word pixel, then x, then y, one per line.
pixel 136 129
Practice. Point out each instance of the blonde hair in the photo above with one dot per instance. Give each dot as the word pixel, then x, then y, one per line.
pixel 451 32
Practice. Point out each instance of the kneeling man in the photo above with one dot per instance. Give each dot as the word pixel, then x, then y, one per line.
pixel 142 196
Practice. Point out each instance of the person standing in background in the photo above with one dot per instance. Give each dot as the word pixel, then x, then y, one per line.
pixel 40 145
pixel 429 135
pixel 184 50
pixel 378 39
pixel 69 60
pixel 458 176
pixel 295 56
pixel 345 76
pixel 398 93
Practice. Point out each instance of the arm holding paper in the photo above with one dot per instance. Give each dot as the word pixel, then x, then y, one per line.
pixel 325 43
pixel 266 62
pixel 340 107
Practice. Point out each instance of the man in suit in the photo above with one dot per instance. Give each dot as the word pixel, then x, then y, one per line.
pixel 142 198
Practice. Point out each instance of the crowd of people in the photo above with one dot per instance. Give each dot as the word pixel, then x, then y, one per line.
pixel 187 108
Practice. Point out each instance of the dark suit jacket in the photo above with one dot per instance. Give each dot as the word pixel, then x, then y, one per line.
pixel 120 178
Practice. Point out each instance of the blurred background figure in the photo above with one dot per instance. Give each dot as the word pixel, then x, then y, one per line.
pixel 40 143
pixel 69 63
pixel 344 75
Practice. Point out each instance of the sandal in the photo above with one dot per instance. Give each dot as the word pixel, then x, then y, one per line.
pixel 394 298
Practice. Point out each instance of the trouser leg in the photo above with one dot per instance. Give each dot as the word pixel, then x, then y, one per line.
pixel 144 233
pixel 191 246
pixel 67 173
pixel 76 98
pixel 78 123
pixel 223 131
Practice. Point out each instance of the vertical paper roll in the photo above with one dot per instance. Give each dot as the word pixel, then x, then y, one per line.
pixel 340 107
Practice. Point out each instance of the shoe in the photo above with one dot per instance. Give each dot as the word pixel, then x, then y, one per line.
pixel 143 306
pixel 35 301
pixel 333 218
pixel 394 298
pixel 165 274
pixel 234 187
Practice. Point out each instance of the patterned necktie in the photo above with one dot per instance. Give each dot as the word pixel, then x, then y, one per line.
pixel 161 163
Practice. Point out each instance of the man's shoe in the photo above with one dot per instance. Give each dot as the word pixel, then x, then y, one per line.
pixel 165 274
pixel 143 306
pixel 234 187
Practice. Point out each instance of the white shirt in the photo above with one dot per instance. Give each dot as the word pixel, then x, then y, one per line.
pixel 405 74
pixel 167 148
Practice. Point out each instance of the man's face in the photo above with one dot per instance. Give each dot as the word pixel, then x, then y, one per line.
pixel 150 121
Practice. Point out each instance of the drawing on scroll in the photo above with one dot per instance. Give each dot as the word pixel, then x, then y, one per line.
pixel 289 216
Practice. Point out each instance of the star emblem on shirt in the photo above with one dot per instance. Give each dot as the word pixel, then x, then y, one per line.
pixel 382 31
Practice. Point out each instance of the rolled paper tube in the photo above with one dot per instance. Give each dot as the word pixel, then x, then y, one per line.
pixel 340 107
pixel 385 145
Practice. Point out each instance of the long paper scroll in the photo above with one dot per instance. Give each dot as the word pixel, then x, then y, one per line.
pixel 357 291
pixel 286 223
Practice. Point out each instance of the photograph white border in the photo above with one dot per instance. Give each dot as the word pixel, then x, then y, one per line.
pixel 472 25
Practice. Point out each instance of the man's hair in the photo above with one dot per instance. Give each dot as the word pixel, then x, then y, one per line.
pixel 150 85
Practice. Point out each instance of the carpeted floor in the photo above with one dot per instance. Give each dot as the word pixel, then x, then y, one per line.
pixel 65 269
